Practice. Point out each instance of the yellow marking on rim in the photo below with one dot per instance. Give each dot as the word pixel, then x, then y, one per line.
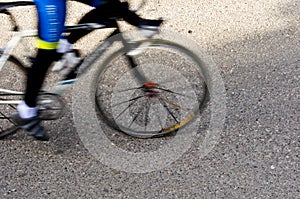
pixel 181 123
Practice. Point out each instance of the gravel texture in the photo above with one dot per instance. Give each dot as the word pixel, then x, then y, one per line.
pixel 256 46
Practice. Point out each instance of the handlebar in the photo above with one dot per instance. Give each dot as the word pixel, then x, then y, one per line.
pixel 7 4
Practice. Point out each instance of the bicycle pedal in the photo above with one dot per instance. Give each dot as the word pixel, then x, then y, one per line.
pixel 51 106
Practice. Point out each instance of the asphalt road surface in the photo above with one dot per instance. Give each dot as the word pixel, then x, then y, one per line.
pixel 256 47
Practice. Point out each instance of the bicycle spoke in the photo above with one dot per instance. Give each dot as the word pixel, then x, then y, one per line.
pixel 134 119
pixel 120 91
pixel 147 114
pixel 13 107
pixel 159 119
pixel 6 118
pixel 169 111
pixel 133 102
pixel 129 89
pixel 136 98
pixel 178 107
pixel 173 92
pixel 3 116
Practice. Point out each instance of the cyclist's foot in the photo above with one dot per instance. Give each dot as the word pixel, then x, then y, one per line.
pixel 32 126
pixel 73 73
pixel 150 27
pixel 67 63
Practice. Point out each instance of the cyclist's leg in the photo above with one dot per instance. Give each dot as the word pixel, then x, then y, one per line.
pixel 104 10
pixel 94 3
pixel 51 17
pixel 93 16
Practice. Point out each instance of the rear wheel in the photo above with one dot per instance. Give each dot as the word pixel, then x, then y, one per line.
pixel 13 76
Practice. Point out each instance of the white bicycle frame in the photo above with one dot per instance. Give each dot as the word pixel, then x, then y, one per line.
pixel 16 40
pixel 8 50
pixel 13 43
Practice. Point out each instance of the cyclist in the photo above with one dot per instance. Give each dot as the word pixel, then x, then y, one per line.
pixel 51 18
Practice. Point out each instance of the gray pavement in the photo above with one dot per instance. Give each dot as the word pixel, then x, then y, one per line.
pixel 256 46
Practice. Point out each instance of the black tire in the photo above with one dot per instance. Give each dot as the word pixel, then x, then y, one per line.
pixel 13 75
pixel 111 68
pixel 142 97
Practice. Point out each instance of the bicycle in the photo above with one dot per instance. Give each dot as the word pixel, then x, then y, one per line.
pixel 146 108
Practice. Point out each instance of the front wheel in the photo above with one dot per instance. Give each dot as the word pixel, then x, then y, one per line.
pixel 172 93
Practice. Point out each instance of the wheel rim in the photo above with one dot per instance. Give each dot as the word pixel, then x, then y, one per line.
pixel 151 91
